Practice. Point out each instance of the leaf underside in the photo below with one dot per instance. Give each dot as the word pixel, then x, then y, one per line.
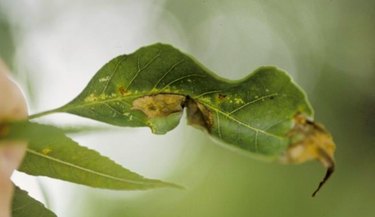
pixel 260 114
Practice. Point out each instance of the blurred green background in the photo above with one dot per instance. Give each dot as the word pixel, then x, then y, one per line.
pixel 328 47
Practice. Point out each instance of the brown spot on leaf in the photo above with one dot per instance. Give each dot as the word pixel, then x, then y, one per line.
pixel 221 96
pixel 122 91
pixel 198 115
pixel 160 105
pixel 310 141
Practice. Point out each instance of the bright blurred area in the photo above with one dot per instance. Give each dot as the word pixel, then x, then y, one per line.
pixel 328 46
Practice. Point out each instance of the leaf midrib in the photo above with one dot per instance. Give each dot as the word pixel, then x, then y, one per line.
pixel 69 106
pixel 126 181
pixel 240 122
pixel 124 98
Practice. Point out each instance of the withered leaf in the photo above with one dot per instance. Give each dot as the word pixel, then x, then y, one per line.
pixel 310 141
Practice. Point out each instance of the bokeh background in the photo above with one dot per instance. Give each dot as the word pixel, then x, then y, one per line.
pixel 328 46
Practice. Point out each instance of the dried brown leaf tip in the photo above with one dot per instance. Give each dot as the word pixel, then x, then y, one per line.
pixel 310 141
pixel 160 105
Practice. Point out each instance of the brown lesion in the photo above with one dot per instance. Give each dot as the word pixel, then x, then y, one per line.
pixel 310 141
pixel 221 96
pixel 198 115
pixel 122 91
pixel 162 105
pixel 159 105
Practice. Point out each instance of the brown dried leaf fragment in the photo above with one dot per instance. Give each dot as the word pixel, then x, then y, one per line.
pixel 310 141
pixel 160 105
pixel 198 115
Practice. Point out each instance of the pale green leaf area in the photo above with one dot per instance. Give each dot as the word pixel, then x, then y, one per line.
pixel 253 114
pixel 51 153
pixel 25 206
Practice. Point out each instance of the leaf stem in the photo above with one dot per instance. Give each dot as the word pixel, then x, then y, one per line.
pixel 40 114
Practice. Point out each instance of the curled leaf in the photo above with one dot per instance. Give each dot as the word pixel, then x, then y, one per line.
pixel 152 86
pixel 310 141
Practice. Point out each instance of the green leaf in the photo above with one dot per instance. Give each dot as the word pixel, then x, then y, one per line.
pixel 51 153
pixel 157 81
pixel 83 129
pixel 262 114
pixel 25 206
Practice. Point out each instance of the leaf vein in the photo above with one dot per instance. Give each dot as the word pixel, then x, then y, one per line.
pixel 239 122
pixel 182 78
pixel 252 102
pixel 113 73
pixel 166 73
pixel 218 125
pixel 208 92
pixel 143 68
pixel 90 171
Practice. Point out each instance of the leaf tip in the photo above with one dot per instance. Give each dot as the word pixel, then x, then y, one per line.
pixel 176 186
pixel 162 184
pixel 310 141
pixel 328 174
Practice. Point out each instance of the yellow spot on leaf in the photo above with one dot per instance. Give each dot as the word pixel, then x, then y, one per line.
pixel 91 98
pixel 46 151
pixel 103 96
pixel 238 101
pixel 167 89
